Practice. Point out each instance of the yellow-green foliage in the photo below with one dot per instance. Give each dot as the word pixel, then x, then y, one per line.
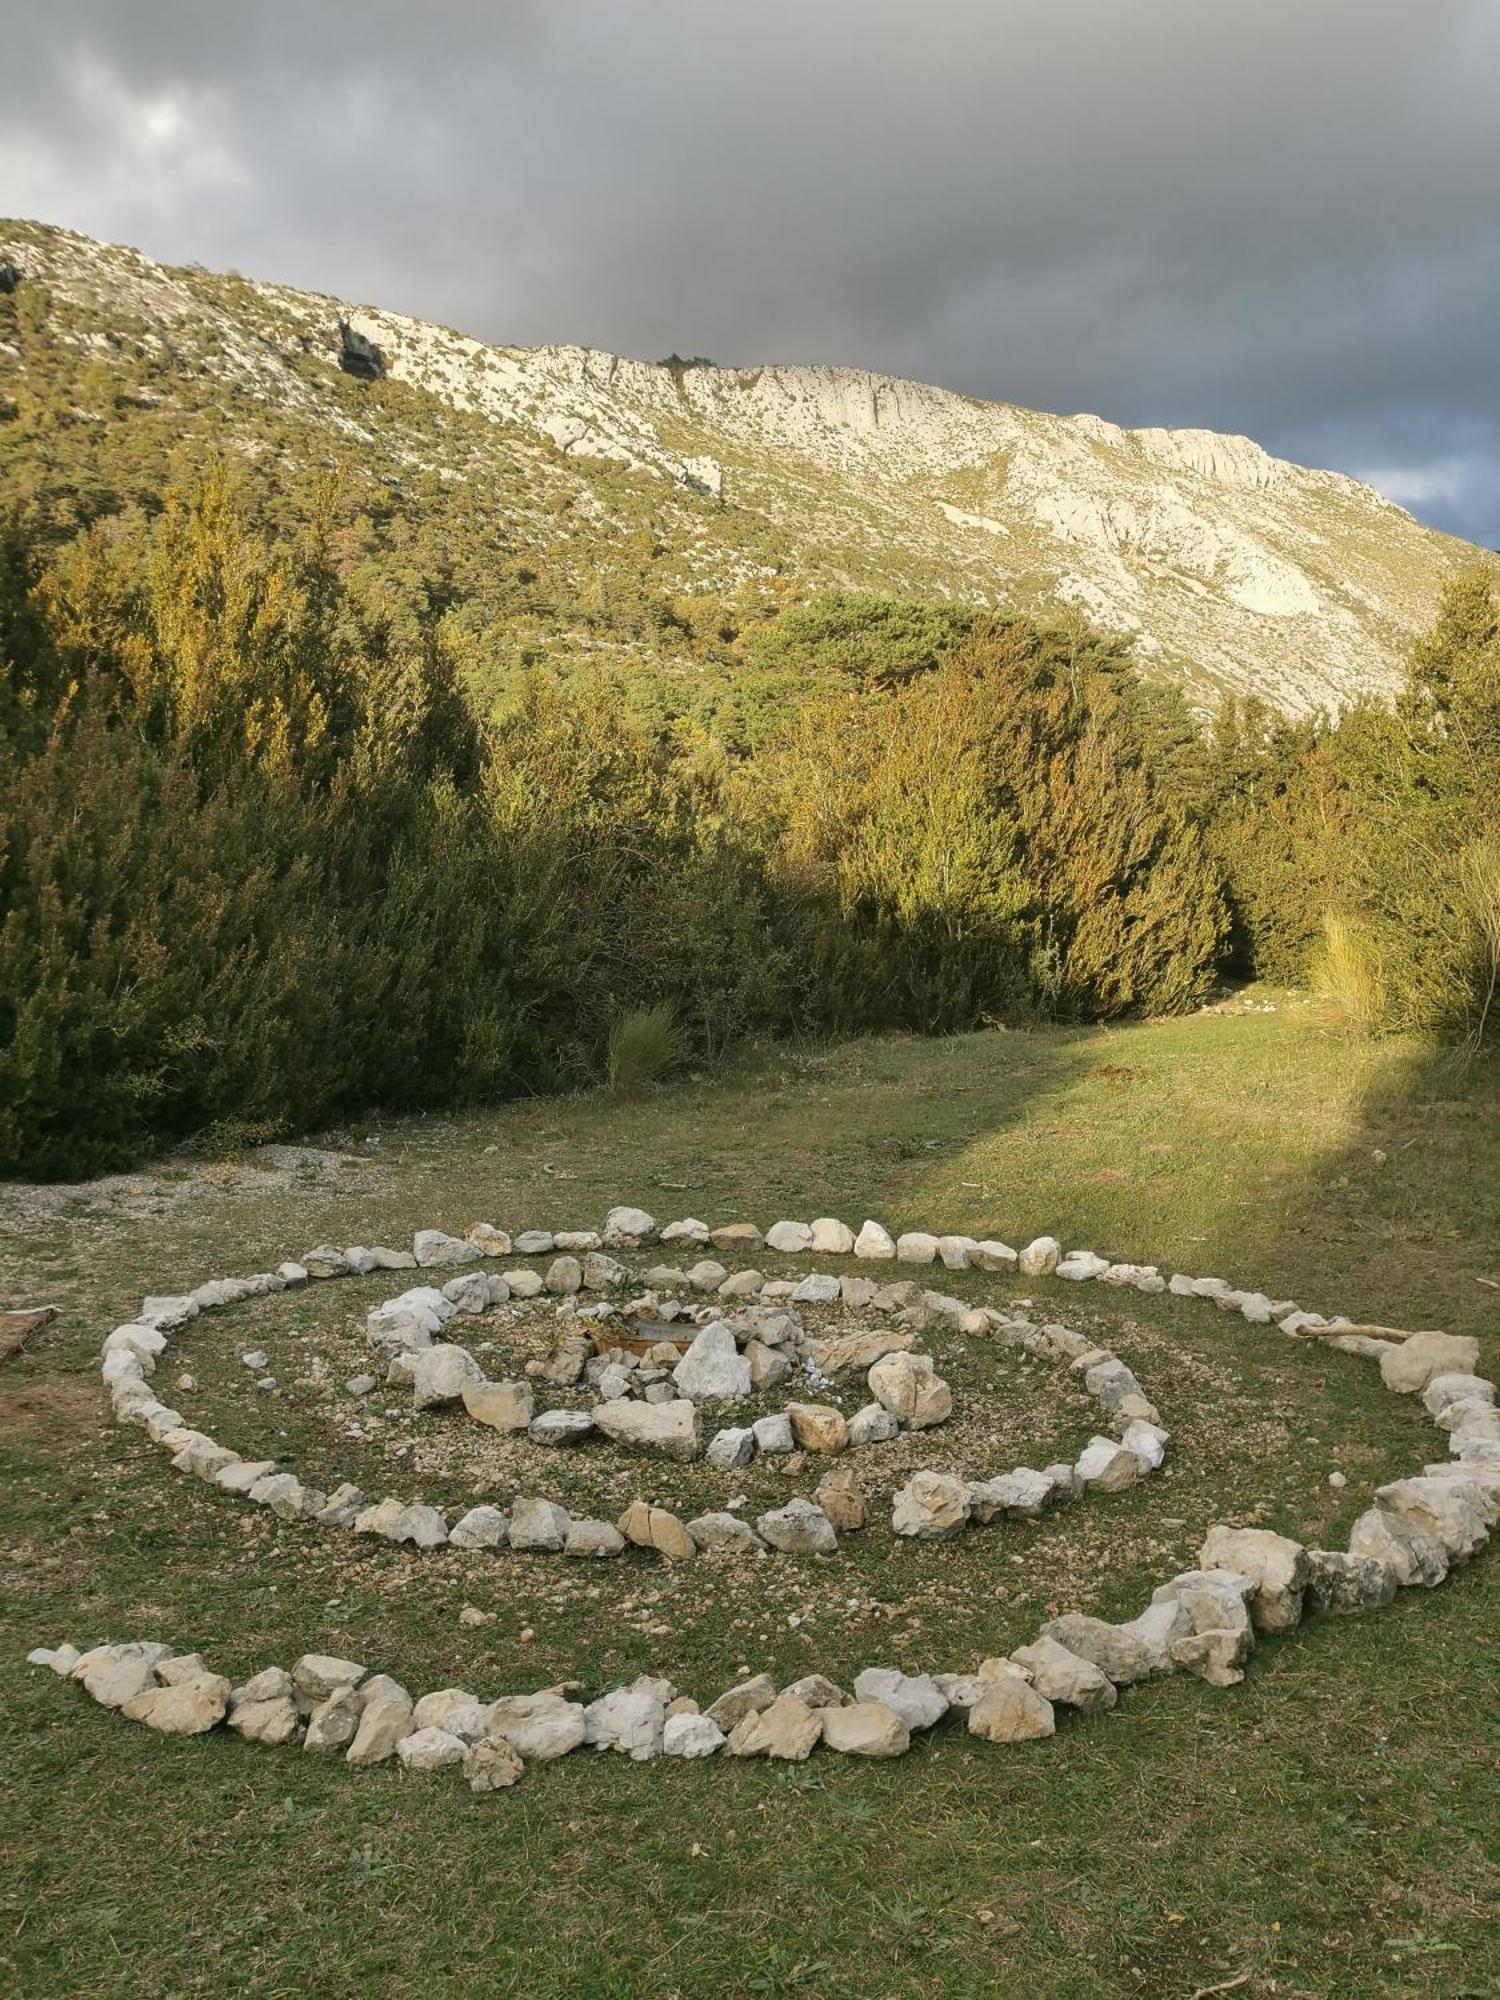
pixel 1346 979
pixel 1425 790
pixel 993 842
pixel 643 1046
pixel 1390 820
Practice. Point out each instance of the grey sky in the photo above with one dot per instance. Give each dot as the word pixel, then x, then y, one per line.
pixel 1276 216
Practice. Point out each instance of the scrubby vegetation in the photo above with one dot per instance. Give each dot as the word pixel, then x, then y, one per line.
pixel 1368 851
pixel 265 856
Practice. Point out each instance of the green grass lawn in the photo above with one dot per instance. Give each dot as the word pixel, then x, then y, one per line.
pixel 1327 1828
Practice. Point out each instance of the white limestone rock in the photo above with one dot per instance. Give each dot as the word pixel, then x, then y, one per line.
pixel 875 1242
pixel 690 1736
pixel 916 1698
pixel 1081 1265
pixel 789 1239
pixel 483 1527
pixel 430 1750
pixel 730 1449
pixel 441 1373
pixel 713 1369
pixel 724 1534
pixel 1040 1257
pixel 915 1246
pixel 539 1727
pixel 630 1720
pixel 538 1525
pixel 798 1529
pixel 1410 1366
pixel 1022 1492
pixel 874 1424
pixel 773 1435
pixel 668 1429
pixel 1108 1466
pixel 689 1230
pixel 628 1228
pixel 420 1525
pixel 561 1427
pixel 1064 1677
pixel 436 1251
pixel 1458 1512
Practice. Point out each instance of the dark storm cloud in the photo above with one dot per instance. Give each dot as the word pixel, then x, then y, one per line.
pixel 1277 216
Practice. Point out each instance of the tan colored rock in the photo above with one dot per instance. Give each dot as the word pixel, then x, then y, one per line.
pixel 488 1240
pixel 384 1721
pixel 564 1362
pixel 787 1730
pixel 911 1389
pixel 272 1722
pixel 115 1680
pixel 737 1237
pixel 842 1496
pixel 1061 1676
pixel 666 1430
pixel 1276 1564
pixel 1410 1555
pixel 188 1709
pixel 1012 1712
pixel 864 1729
pixel 655 1528
pixel 861 1350
pixel 540 1726
pixel 491 1765
pixel 1215 1657
pixel 930 1505
pixel 768 1365
pixel 744 1699
pixel 817 1691
pixel 818 1427
pixel 504 1406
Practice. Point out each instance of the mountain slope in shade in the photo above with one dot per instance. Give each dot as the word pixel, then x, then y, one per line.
pixel 1230 569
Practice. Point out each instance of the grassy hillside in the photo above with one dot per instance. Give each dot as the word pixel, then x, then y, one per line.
pixel 1324 1830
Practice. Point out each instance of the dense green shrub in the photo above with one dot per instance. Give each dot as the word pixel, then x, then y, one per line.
pixel 990 841
pixel 1366 854
pixel 1420 866
pixel 261 863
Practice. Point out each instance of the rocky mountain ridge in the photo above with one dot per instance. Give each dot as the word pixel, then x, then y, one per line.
pixel 1230 569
